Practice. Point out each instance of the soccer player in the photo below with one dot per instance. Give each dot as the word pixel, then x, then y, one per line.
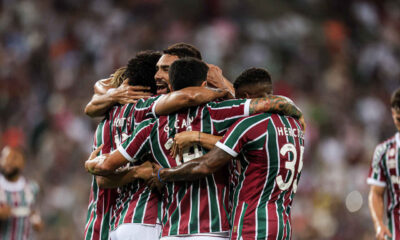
pixel 136 206
pixel 196 209
pixel 251 83
pixel 385 177
pixel 18 198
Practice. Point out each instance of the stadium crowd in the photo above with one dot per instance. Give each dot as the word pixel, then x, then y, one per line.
pixel 339 61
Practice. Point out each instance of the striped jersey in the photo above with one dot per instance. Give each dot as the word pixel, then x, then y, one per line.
pixel 197 207
pixel 385 172
pixel 20 196
pixel 135 202
pixel 101 201
pixel 271 150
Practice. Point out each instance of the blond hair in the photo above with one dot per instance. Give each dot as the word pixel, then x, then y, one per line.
pixel 118 77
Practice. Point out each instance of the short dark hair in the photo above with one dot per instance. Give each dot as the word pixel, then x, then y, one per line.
pixel 395 100
pixel 183 50
pixel 142 68
pixel 187 72
pixel 252 76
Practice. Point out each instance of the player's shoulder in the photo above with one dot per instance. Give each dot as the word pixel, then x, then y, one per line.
pixel 33 185
pixel 146 102
pixel 386 143
pixel 225 103
pixel 383 147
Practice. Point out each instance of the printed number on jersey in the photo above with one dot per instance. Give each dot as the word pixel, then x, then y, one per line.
pixel 290 166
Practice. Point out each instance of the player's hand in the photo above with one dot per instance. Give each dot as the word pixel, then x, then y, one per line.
pixel 183 140
pixel 5 212
pixel 94 154
pixel 144 171
pixel 303 123
pixel 382 232
pixel 215 78
pixel 154 182
pixel 126 93
pixel 37 222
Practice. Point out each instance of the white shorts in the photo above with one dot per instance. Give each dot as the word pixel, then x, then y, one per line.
pixel 136 231
pixel 205 237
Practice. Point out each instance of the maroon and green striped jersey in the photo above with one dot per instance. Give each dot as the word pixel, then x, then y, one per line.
pixel 385 172
pixel 135 202
pixel 270 148
pixel 189 207
pixel 20 196
pixel 101 201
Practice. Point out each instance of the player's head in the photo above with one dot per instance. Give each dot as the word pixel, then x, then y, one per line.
pixel 118 77
pixel 187 72
pixel 171 54
pixel 395 106
pixel 141 69
pixel 12 162
pixel 253 83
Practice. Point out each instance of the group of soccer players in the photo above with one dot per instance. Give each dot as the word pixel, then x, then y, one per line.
pixel 183 154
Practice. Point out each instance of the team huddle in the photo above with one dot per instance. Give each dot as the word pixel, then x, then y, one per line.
pixel 183 154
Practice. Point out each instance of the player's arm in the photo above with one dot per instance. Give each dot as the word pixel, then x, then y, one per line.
pixel 126 176
pixel 189 138
pixel 187 97
pixel 106 164
pixel 196 168
pixel 376 207
pixel 276 104
pixel 106 96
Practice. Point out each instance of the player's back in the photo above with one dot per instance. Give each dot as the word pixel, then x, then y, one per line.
pixel 271 148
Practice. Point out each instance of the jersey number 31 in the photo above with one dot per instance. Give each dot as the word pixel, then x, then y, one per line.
pixel 290 166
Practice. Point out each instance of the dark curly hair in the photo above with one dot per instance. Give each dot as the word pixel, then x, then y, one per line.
pixel 183 50
pixel 252 76
pixel 395 100
pixel 187 72
pixel 142 68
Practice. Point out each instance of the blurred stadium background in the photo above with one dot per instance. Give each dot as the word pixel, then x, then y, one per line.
pixel 339 61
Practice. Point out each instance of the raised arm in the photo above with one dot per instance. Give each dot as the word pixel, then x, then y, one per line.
pixel 107 96
pixel 216 79
pixel 376 207
pixel 187 97
pixel 277 104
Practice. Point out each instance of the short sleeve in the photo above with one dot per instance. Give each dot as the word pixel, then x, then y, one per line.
pixel 138 143
pixel 241 133
pixel 224 114
pixel 144 109
pixel 377 174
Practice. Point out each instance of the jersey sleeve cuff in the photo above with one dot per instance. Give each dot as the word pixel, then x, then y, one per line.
pixel 153 108
pixel 375 182
pixel 247 107
pixel 226 149
pixel 125 154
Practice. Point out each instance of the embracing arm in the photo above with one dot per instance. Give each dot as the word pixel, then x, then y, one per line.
pixel 105 96
pixel 375 200
pixel 126 176
pixel 188 138
pixel 106 164
pixel 197 168
pixel 187 97
pixel 277 104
